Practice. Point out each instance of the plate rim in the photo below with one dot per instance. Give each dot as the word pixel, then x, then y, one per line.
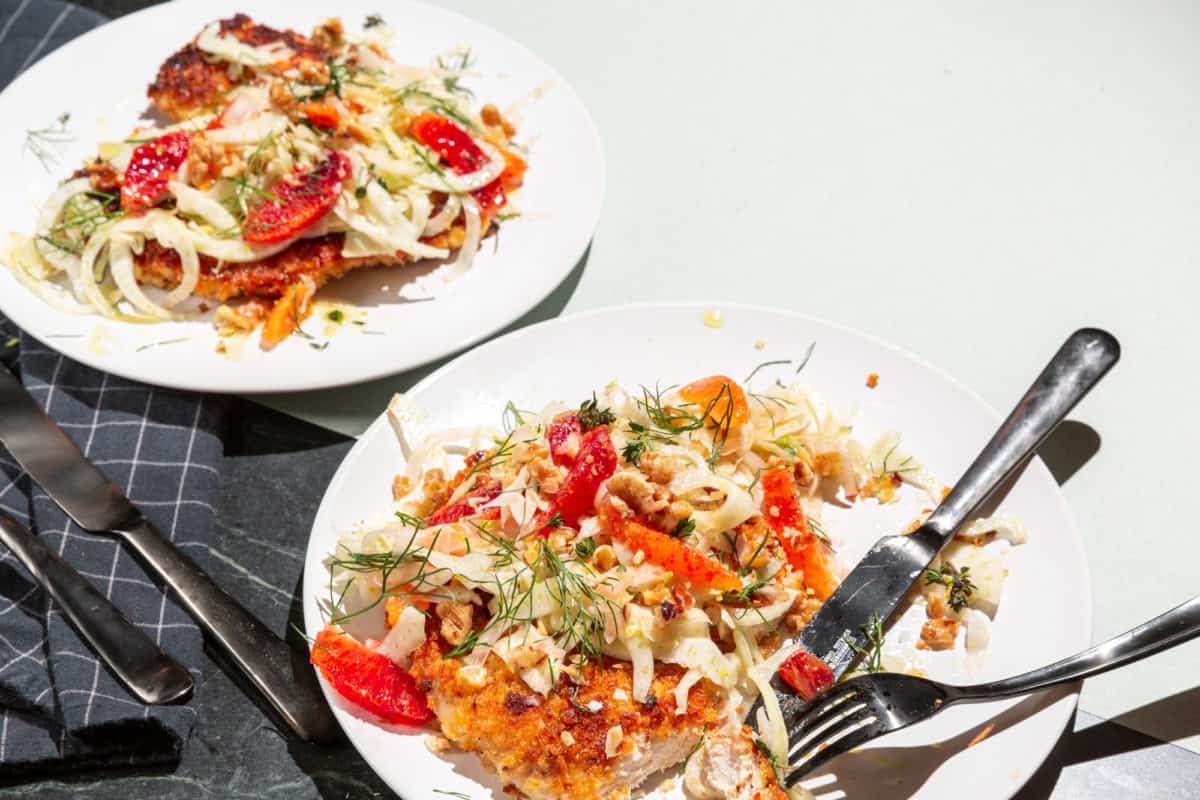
pixel 304 380
pixel 1065 711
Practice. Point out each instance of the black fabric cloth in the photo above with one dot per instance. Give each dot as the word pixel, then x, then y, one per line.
pixel 60 708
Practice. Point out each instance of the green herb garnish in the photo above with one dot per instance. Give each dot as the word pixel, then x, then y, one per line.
pixel 959 586
pixel 592 416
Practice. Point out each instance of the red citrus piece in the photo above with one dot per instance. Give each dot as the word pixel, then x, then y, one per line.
pixel 298 201
pixel 565 436
pixel 807 674
pixel 152 165
pixel 368 679
pixel 594 464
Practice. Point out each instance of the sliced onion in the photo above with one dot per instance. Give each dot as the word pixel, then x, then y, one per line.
pixel 689 679
pixel 444 218
pixel 470 245
pixel 120 253
pixel 201 204
pixel 51 213
pixel 405 636
pixel 170 232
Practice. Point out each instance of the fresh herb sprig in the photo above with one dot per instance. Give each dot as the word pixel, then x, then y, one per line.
pixel 592 416
pixel 959 586
pixel 872 653
pixel 45 142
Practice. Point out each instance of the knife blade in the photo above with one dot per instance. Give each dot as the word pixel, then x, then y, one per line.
pixel 146 671
pixel 88 497
pixel 837 633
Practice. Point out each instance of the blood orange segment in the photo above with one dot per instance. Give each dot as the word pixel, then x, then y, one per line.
pixel 722 398
pixel 807 674
pixel 368 679
pixel 668 552
pixel 298 201
pixel 466 506
pixel 565 435
pixel 448 140
pixel 595 463
pixel 151 166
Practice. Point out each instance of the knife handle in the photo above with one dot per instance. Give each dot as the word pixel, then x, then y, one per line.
pixel 149 673
pixel 264 658
pixel 1085 358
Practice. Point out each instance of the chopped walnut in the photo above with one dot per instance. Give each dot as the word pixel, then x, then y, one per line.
pixel 314 72
pixel 937 605
pixel 456 621
pixel 803 472
pixel 938 634
pixel 435 489
pixel 638 493
pixel 605 557
pixel 103 175
pixel 492 118
pixel 281 96
pixel 330 34
pixel 655 595
pixel 546 475
pixel 401 119
pixel 658 467
pixel 401 486
pixel 526 657
pixel 206 162
pixel 671 516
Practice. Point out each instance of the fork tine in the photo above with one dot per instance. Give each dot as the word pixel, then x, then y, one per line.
pixel 853 719
pixel 816 716
pixel 857 738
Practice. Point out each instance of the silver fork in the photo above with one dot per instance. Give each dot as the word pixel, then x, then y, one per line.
pixel 866 707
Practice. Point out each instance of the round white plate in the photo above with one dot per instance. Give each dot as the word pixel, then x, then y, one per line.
pixel 1045 613
pixel 101 79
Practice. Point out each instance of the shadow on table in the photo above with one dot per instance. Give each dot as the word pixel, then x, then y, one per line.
pixel 1070 446
pixel 1178 716
pixel 904 770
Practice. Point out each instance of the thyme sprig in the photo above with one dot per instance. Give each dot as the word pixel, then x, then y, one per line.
pixel 959 586
pixel 872 653
pixel 592 416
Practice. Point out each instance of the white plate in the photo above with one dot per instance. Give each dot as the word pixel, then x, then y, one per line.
pixel 1045 613
pixel 101 79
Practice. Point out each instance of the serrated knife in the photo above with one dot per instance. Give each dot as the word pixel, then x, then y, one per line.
pixel 89 498
pixel 877 584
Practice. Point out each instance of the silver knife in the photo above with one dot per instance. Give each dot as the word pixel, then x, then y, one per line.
pixel 837 632
pixel 89 498
pixel 150 674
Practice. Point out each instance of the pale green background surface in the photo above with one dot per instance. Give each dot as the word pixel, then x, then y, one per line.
pixel 970 181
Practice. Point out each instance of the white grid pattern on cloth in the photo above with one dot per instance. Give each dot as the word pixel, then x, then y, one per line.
pixel 162 449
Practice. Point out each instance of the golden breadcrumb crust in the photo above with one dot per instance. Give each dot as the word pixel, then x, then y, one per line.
pixel 520 734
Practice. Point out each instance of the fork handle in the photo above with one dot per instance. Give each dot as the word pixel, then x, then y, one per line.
pixel 1179 625
pixel 1086 356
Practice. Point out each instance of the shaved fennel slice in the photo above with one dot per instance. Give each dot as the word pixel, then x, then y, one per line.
pixel 470 245
pixel 120 254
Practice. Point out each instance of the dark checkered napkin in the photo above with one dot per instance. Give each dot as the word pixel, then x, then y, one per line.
pixel 60 709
